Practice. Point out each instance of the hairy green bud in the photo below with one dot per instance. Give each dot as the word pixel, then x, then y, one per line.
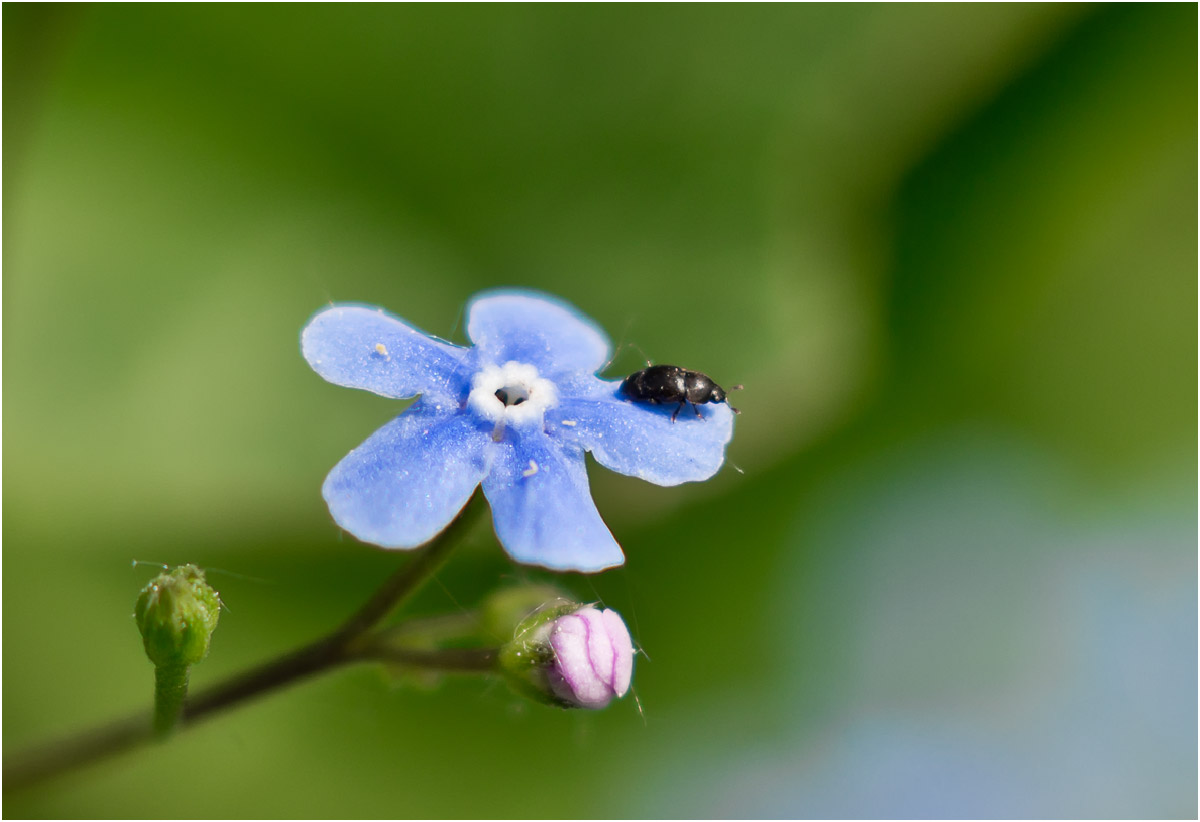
pixel 177 613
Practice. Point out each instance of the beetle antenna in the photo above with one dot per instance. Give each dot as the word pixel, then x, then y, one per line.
pixel 620 349
pixel 737 387
pixel 620 346
pixel 643 353
pixel 457 319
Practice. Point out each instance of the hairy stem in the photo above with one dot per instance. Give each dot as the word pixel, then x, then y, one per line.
pixel 170 689
pixel 344 645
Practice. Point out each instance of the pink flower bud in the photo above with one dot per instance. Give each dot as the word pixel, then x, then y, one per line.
pixel 593 658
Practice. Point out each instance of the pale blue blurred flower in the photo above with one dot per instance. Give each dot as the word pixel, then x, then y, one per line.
pixel 515 412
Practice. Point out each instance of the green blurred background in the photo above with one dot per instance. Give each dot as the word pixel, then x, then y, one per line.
pixel 951 252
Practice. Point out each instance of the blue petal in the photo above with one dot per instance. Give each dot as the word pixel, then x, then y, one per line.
pixel 408 480
pixel 639 439
pixel 538 329
pixel 363 347
pixel 541 506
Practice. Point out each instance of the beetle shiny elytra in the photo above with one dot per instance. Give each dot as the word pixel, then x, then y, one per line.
pixel 662 384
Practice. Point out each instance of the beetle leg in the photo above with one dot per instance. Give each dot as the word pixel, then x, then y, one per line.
pixel 678 408
pixel 697 410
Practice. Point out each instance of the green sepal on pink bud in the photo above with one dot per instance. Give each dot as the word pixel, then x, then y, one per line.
pixel 569 655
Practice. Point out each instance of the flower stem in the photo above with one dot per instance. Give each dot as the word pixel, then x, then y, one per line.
pixel 346 644
pixel 408 579
pixel 431 629
pixel 170 689
pixel 446 660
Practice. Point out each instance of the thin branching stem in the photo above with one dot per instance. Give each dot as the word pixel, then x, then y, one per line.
pixel 347 644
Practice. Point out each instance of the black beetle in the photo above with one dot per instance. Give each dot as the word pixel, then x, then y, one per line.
pixel 660 384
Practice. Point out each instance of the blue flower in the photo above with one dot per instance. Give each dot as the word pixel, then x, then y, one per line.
pixel 515 412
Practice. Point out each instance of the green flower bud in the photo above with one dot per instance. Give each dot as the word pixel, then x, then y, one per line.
pixel 177 613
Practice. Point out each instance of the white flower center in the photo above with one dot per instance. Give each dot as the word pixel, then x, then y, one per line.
pixel 511 394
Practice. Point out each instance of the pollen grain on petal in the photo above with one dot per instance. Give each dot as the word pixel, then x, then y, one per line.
pixel 531 470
